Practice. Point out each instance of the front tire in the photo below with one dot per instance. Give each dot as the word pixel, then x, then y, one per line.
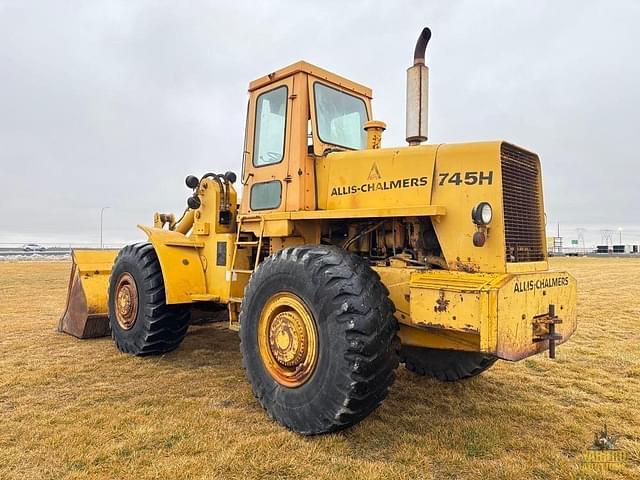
pixel 141 321
pixel 318 338
pixel 445 365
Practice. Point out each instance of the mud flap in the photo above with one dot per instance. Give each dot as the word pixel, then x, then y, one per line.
pixel 86 312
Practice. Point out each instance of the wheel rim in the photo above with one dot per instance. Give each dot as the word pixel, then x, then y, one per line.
pixel 126 301
pixel 288 340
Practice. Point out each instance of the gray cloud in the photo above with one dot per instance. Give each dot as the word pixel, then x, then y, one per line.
pixel 114 103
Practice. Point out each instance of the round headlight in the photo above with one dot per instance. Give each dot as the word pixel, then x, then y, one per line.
pixel 192 181
pixel 482 214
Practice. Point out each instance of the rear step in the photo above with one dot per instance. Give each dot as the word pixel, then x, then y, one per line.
pixel 237 270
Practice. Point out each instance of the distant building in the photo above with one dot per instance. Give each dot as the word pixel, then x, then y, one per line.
pixel 618 249
pixel 554 246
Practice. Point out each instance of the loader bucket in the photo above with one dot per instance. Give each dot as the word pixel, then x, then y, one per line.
pixel 86 313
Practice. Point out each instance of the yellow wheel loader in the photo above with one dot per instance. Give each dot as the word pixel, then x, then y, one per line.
pixel 343 259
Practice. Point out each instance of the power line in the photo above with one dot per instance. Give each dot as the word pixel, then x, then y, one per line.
pixel 607 236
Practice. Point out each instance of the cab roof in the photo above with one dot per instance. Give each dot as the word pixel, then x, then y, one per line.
pixel 318 72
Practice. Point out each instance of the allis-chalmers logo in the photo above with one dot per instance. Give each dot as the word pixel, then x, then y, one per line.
pixel 373 184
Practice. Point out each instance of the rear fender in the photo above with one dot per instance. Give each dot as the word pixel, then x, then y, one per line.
pixel 182 269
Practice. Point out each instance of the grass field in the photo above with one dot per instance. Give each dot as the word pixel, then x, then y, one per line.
pixel 79 409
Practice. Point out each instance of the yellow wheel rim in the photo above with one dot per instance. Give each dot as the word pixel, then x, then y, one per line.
pixel 288 340
pixel 126 301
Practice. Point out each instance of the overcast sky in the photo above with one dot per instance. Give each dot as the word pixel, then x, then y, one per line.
pixel 112 103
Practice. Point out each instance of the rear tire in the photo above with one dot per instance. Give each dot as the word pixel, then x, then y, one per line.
pixel 141 321
pixel 355 338
pixel 445 365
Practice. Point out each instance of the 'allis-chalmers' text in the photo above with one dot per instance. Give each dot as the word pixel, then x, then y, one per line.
pixel 376 186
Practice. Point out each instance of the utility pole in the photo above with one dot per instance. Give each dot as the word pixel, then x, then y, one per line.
pixel 620 233
pixel 101 215
pixel 580 232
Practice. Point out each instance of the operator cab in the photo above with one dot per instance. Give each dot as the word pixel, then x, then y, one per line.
pixel 294 115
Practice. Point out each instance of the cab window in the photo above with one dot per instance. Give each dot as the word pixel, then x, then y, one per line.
pixel 271 116
pixel 340 117
pixel 266 195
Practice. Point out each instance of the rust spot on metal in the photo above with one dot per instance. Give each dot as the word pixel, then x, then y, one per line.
pixel 441 303
pixel 544 329
pixel 461 266
pixel 126 301
pixel 431 325
pixel 468 267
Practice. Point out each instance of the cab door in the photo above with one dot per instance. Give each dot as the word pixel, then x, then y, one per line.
pixel 267 149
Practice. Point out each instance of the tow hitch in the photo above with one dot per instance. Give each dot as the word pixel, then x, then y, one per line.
pixel 544 329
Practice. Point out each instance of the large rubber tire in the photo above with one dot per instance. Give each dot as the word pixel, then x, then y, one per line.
pixel 356 330
pixel 445 365
pixel 158 328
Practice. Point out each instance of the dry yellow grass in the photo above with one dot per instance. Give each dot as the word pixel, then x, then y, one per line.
pixel 79 409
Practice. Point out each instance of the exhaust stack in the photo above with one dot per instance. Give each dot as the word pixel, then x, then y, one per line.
pixel 418 93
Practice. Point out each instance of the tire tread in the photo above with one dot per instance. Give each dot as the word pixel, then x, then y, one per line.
pixel 165 326
pixel 363 310
pixel 445 365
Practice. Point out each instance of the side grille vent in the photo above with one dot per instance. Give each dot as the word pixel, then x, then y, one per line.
pixel 523 216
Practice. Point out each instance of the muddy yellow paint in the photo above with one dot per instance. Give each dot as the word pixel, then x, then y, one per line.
pixel 481 303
